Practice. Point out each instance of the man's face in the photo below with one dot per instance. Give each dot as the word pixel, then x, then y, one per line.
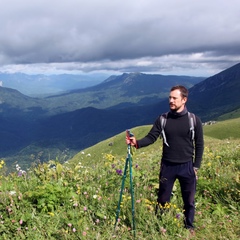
pixel 176 101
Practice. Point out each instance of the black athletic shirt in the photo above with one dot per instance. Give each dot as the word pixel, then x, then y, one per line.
pixel 181 148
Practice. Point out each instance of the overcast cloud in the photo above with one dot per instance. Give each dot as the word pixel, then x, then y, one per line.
pixel 155 36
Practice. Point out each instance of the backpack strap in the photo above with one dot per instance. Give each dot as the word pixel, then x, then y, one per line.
pixel 163 120
pixel 192 124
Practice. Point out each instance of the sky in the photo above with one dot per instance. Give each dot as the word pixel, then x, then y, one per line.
pixel 177 37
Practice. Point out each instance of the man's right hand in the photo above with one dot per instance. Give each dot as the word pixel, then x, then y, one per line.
pixel 131 140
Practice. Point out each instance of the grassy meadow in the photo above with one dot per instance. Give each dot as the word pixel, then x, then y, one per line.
pixel 78 199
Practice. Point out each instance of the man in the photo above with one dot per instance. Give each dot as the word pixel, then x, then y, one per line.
pixel 181 156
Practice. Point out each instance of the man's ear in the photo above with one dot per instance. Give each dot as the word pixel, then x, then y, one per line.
pixel 184 99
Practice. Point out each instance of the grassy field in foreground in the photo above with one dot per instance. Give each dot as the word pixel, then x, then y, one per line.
pixel 78 199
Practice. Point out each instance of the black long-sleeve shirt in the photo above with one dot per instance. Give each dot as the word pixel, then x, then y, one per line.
pixel 178 135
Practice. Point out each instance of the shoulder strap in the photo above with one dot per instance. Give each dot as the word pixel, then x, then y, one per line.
pixel 163 120
pixel 192 123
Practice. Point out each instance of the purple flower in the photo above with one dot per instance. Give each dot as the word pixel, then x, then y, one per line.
pixel 178 216
pixel 21 173
pixel 119 171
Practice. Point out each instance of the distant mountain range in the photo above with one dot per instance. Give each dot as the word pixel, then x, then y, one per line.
pixel 123 91
pixel 43 85
pixel 82 117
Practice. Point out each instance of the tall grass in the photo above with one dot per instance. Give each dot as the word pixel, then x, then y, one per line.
pixel 78 199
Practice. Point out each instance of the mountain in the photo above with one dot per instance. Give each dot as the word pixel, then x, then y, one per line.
pixel 14 104
pixel 134 89
pixel 41 84
pixel 217 95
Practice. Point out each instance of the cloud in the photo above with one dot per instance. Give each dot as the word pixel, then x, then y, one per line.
pixel 138 35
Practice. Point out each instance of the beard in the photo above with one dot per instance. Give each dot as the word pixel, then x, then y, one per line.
pixel 175 108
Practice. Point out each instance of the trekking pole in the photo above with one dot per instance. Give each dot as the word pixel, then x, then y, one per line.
pixel 132 189
pixel 128 162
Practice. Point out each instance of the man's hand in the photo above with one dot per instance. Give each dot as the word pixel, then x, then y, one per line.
pixel 196 170
pixel 131 140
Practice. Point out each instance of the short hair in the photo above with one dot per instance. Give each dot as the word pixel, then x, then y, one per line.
pixel 182 89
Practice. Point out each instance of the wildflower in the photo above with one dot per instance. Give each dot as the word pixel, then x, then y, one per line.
pixel 17 167
pixel 97 221
pixel 85 208
pixel 84 233
pixel 21 222
pixel 163 230
pixel 119 171
pixel 9 209
pixel 178 216
pixel 51 214
pixel 1 164
pixel 69 224
pixel 21 173
pixel 74 230
pixel 78 189
pixel 94 196
pixel 12 192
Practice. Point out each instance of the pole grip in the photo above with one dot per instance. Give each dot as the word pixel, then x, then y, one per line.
pixel 129 134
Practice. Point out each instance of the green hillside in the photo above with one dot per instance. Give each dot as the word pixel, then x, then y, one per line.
pixel 230 115
pixel 228 129
pixel 224 129
pixel 115 145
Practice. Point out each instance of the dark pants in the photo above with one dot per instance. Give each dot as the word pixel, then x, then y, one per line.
pixel 184 172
